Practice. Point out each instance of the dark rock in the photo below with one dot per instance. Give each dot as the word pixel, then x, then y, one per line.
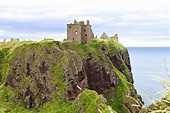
pixel 31 81
pixel 43 68
pixel 65 70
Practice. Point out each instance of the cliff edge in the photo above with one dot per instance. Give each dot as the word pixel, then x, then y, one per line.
pixel 67 77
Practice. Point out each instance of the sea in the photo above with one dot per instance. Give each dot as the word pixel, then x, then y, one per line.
pixel 149 63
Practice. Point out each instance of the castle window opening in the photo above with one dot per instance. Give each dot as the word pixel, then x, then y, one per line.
pixel 84 30
pixel 70 27
pixel 76 32
pixel 85 34
pixel 73 39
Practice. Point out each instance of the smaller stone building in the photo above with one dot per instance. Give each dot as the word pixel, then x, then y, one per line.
pixel 106 37
pixel 80 32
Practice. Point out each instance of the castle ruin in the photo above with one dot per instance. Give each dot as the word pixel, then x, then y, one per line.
pixel 14 40
pixel 79 32
pixel 106 37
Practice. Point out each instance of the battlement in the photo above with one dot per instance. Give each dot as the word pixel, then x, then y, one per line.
pixel 80 22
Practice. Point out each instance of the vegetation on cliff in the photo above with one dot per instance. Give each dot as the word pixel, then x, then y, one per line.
pixel 162 105
pixel 67 77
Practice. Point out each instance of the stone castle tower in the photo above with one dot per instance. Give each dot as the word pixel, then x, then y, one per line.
pixel 79 32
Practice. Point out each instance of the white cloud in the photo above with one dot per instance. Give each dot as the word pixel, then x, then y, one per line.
pixel 1 32
pixel 137 18
pixel 121 23
pixel 66 7
pixel 155 41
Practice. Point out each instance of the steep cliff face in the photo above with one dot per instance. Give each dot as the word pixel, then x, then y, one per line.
pixel 37 73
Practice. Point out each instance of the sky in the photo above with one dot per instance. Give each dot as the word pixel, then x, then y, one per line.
pixel 137 22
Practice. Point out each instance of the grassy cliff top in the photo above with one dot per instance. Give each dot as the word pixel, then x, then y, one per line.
pixel 42 76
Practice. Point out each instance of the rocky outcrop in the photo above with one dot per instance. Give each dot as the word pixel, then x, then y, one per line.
pixel 48 71
pixel 88 74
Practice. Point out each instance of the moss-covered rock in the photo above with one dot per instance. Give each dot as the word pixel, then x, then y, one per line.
pixel 89 102
pixel 55 76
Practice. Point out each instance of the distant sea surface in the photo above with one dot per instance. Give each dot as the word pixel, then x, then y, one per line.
pixel 146 63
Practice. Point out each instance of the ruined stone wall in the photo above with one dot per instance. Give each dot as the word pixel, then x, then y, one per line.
pixel 87 34
pixel 74 32
pixel 79 33
pixel 115 37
